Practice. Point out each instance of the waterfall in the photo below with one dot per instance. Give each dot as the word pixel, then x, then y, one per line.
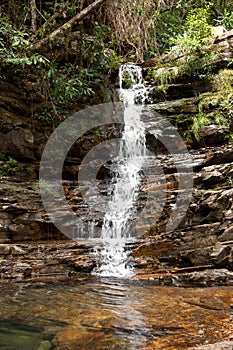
pixel 119 220
pixel 130 75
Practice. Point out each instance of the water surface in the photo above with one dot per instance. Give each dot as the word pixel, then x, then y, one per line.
pixel 105 313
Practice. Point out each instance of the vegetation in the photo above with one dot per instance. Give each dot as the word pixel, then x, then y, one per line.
pixel 217 107
pixel 71 48
pixel 9 166
pixel 190 51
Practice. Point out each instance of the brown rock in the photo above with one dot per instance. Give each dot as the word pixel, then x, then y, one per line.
pixel 224 345
pixel 220 254
pixel 4 249
pixel 227 235
pixel 213 135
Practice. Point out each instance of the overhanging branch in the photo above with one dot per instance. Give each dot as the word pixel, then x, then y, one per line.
pixel 59 31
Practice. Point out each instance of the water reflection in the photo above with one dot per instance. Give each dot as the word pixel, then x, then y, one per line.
pixel 130 322
pixel 105 313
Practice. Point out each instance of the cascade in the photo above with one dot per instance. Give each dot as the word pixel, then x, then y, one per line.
pixel 119 220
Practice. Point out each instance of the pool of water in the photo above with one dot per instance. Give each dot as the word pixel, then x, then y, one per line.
pixel 14 334
pixel 106 313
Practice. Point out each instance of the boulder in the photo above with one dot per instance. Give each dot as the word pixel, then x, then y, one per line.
pixel 19 142
pixel 227 235
pixel 220 255
pixel 212 135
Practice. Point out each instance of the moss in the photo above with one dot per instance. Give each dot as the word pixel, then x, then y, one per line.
pixel 223 81
pixel 216 107
pixel 162 77
pixel 126 80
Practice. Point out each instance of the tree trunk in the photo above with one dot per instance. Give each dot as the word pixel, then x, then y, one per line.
pixel 59 31
pixel 33 15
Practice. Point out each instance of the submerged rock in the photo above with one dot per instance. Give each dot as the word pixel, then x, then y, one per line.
pixel 224 345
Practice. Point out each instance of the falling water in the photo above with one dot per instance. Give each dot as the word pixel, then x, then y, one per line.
pixel 119 221
pixel 136 93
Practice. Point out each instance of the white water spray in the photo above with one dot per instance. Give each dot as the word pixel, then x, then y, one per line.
pixel 119 221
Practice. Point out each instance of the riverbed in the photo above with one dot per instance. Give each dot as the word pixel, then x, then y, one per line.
pixel 91 312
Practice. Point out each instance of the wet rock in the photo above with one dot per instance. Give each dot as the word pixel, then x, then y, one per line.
pixel 227 235
pixel 219 155
pixel 206 278
pixel 196 236
pixel 157 251
pixel 214 205
pixel 45 345
pixel 229 214
pixel 220 254
pixel 25 232
pixel 147 264
pixel 212 135
pixel 213 303
pixel 230 260
pixel 212 176
pixel 83 264
pixel 224 345
pixel 176 107
pixel 49 259
pixel 207 221
pixel 5 249
pixel 16 250
pixel 19 142
pixel 197 257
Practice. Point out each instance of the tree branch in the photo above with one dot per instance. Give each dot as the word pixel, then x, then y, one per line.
pixel 46 24
pixel 38 45
pixel 33 15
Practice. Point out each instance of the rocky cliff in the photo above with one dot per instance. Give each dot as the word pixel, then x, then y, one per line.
pixel 202 246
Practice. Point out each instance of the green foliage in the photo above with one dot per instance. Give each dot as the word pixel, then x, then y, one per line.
pixel 9 167
pixel 2 156
pixel 203 119
pixel 190 52
pixel 11 38
pixel 70 83
pixel 162 77
pixel 226 107
pixel 223 81
pixel 197 31
pixel 199 121
pixel 65 86
pixel 169 25
pixel 194 44
pixel 101 50
pixel 216 107
pixel 128 28
pixel 13 48
pixel 230 181
pixel 225 20
pixel 126 80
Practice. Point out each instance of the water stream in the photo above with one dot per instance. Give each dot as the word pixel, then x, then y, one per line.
pixel 119 221
pixel 97 313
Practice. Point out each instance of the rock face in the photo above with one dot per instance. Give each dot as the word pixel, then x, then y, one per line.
pixel 39 259
pixel 204 238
